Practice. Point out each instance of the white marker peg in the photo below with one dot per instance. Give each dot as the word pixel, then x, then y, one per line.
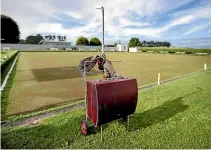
pixel 205 66
pixel 158 78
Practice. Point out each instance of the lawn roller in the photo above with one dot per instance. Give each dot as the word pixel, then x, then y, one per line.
pixel 108 100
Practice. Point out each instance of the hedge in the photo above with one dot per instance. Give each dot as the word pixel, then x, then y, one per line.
pixel 5 66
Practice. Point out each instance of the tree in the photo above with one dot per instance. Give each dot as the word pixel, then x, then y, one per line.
pixel 46 37
pixel 151 44
pixel 9 30
pixel 168 44
pixel 115 43
pixel 33 39
pixel 134 42
pixel 53 37
pixel 95 42
pixel 22 41
pixel 82 41
pixel 50 37
pixel 144 43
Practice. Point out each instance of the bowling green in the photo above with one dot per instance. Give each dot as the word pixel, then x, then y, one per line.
pixel 48 79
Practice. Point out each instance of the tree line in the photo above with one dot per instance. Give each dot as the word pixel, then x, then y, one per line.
pixel 36 39
pixel 155 44
pixel 10 34
pixel 136 42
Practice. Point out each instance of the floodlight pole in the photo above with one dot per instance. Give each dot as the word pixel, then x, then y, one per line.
pixel 101 7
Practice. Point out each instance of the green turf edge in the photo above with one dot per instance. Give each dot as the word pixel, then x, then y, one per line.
pixel 22 116
pixel 7 88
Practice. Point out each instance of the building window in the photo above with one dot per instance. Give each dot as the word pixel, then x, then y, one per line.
pixel 124 47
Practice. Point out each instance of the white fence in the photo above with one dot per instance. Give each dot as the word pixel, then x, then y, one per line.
pixel 47 47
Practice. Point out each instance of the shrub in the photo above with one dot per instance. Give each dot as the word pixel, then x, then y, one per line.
pixel 95 42
pixel 189 53
pixel 171 52
pixel 82 41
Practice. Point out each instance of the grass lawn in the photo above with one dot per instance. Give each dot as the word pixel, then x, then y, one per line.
pixel 174 115
pixel 49 79
pixel 4 55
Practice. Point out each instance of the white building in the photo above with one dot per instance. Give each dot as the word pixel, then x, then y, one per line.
pixel 122 47
pixel 134 49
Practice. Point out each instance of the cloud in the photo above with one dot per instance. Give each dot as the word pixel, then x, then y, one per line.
pixel 123 22
pixel 123 18
pixel 154 32
pixel 74 15
pixel 182 20
pixel 193 42
pixel 196 28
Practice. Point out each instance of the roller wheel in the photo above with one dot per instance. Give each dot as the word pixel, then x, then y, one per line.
pixel 84 127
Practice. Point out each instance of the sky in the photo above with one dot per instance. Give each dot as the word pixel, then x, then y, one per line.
pixel 181 22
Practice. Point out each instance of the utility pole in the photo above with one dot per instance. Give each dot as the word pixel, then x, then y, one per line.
pixel 101 7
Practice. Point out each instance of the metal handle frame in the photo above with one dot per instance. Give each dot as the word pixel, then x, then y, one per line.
pixel 84 77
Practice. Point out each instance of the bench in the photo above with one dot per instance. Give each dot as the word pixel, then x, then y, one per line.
pixel 201 53
pixel 180 53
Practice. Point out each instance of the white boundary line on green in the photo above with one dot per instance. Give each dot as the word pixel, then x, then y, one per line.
pixel 11 68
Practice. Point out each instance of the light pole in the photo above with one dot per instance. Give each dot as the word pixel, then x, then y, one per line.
pixel 101 7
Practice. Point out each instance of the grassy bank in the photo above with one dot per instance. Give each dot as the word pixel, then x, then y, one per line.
pixel 174 50
pixel 174 115
pixel 7 88
pixel 7 63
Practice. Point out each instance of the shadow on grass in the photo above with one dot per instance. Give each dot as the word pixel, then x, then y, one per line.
pixel 59 134
pixel 160 113
pixel 156 115
pixel 51 74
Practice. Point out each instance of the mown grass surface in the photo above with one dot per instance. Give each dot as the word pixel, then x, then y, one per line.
pixel 49 79
pixel 174 115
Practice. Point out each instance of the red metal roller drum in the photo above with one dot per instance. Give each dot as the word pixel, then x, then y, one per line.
pixel 111 100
